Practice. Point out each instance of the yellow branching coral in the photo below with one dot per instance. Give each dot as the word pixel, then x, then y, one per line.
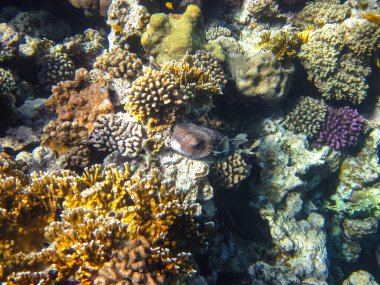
pixel 283 44
pixel 27 204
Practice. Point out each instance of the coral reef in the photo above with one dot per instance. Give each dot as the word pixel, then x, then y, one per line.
pixel 57 66
pixel 263 8
pixel 347 47
pixel 360 277
pixel 358 189
pixel 215 32
pixel 7 84
pixel 117 132
pixel 127 19
pixel 170 37
pixel 129 266
pixel 307 116
pixel 320 13
pixel 40 24
pixel 9 42
pixel 233 171
pixel 157 97
pixel 95 6
pixel 261 76
pixel 78 104
pixel 119 63
pixel 342 128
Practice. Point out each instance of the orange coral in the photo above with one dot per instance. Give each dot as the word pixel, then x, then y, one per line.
pixel 78 104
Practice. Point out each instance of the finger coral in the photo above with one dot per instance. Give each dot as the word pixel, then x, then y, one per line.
pixel 117 132
pixel 119 64
pixel 170 37
pixel 342 128
pixel 57 66
pixel 307 117
pixel 78 104
pixel 233 171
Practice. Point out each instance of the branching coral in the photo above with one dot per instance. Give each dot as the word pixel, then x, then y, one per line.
pixel 320 13
pixel 102 209
pixel 118 132
pixel 119 63
pixel 157 97
pixel 57 66
pixel 338 61
pixel 283 44
pixel 342 128
pixel 27 204
pixel 307 117
pixel 78 104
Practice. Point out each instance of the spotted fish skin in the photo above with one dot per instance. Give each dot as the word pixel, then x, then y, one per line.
pixel 199 143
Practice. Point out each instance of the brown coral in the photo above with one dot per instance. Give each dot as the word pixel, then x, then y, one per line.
pixel 233 171
pixel 78 104
pixel 119 63
pixel 130 265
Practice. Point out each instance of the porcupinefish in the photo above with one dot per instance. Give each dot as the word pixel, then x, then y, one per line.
pixel 200 143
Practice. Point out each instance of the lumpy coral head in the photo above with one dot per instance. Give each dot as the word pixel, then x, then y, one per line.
pixel 170 37
pixel 342 128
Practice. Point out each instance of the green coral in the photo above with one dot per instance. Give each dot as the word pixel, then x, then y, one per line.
pixel 321 13
pixel 170 37
pixel 307 116
pixel 358 192
pixel 338 60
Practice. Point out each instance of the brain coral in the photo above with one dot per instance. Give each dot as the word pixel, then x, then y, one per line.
pixel 118 132
pixel 261 76
pixel 307 117
pixel 170 37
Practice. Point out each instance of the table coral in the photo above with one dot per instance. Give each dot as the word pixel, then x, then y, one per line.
pixel 78 104
pixel 170 37
pixel 118 132
pixel 119 63
pixel 307 116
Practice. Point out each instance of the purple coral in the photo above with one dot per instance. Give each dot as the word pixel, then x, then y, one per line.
pixel 342 128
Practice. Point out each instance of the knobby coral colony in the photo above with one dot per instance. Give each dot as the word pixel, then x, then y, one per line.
pixel 104 212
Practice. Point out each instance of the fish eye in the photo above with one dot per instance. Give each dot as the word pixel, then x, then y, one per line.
pixel 198 145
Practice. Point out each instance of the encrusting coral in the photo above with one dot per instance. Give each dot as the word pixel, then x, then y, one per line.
pixel 102 209
pixel 78 104
pixel 170 37
pixel 119 64
pixel 307 116
pixel 117 132
pixel 261 76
